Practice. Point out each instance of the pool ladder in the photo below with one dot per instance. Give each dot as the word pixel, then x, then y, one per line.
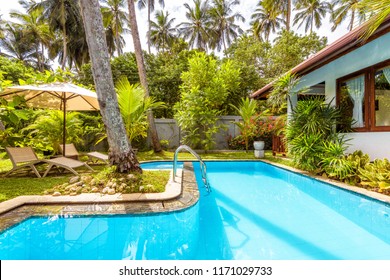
pixel 202 165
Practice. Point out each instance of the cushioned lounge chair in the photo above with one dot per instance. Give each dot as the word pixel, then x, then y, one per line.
pixel 93 157
pixel 26 157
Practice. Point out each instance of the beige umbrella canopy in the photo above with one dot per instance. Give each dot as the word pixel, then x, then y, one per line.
pixel 60 96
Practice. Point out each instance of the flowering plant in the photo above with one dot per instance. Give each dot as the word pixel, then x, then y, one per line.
pixel 262 127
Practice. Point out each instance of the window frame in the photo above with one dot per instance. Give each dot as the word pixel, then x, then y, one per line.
pixel 369 96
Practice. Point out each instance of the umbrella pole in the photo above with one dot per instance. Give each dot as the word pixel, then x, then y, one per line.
pixel 64 129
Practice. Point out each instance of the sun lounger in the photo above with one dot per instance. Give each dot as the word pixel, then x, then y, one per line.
pixel 26 157
pixel 66 163
pixel 22 158
pixel 93 157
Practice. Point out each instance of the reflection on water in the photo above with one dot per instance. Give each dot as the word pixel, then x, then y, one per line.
pixel 164 236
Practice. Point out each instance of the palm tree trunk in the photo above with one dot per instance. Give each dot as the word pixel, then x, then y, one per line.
pixel 352 20
pixel 117 40
pixel 142 73
pixel 64 44
pixel 288 15
pixel 121 154
pixel 149 10
pixel 38 57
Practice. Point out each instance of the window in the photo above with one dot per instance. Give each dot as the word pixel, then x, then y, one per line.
pixel 382 97
pixel 316 91
pixel 364 98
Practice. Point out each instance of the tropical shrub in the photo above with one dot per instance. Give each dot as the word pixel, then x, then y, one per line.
pixel 259 128
pixel 14 115
pixel 335 164
pixel 238 143
pixel 313 142
pixel 134 106
pixel 376 175
pixel 246 111
pixel 205 88
pixel 46 132
pixel 282 89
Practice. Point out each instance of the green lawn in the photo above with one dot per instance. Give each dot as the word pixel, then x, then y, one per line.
pixel 19 184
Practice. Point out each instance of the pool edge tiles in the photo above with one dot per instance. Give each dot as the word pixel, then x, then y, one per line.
pixel 188 196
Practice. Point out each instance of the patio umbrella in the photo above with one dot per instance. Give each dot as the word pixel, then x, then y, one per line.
pixel 60 96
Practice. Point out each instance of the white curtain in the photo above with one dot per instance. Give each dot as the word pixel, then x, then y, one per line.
pixel 356 92
pixel 386 72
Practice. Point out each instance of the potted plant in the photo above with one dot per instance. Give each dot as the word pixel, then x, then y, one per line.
pixel 263 129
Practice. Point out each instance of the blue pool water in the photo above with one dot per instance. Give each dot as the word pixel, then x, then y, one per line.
pixel 255 211
pixel 160 165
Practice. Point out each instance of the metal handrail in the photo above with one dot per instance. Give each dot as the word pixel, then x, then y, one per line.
pixel 203 168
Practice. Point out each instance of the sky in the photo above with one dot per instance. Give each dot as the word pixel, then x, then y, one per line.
pixel 177 11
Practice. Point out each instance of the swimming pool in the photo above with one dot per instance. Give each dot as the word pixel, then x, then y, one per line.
pixel 255 211
pixel 160 165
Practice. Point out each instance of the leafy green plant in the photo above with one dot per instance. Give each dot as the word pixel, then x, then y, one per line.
pixel 246 111
pixel 206 86
pixel 134 106
pixel 45 133
pixel 313 141
pixel 13 116
pixel 376 174
pixel 281 91
pixel 164 144
pixel 333 162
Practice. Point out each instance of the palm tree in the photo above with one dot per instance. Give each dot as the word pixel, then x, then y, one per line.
pixel 311 12
pixel 150 5
pixel 197 30
pixel 246 110
pixel 38 30
pixel 63 16
pixel 223 22
pixel 134 106
pixel 380 10
pixel 162 33
pixel 115 21
pixel 142 73
pixel 344 9
pixel 266 19
pixel 285 6
pixel 121 154
pixel 17 45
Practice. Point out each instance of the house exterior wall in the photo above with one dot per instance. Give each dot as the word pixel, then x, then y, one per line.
pixel 376 144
